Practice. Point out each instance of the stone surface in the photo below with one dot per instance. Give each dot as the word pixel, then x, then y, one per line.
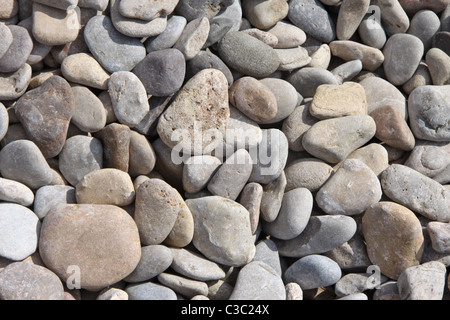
pixel 438 66
pixel 193 37
pixel 18 51
pixel 439 233
pixel 16 192
pixel 288 35
pixel 371 32
pixel 196 9
pixel 265 14
pixel 416 191
pixel 250 198
pixel 49 196
pixel 170 35
pixel 322 234
pixel 206 60
pixel 115 138
pixel 222 230
pixel 357 283
pixel 197 172
pixel 183 286
pixel 105 186
pixel 155 259
pixel 348 50
pixel 142 157
pixel 20 229
pixel 195 266
pixel 26 281
pixel 424 25
pixel 7 38
pixel 272 198
pixel 14 85
pixel 297 124
pixel 89 114
pixel 343 136
pixel 150 291
pixel 393 17
pixel 393 237
pixel 70 236
pixel 412 6
pixel 351 13
pixel 309 173
pixel 293 58
pixel 287 98
pixel 82 68
pixel 146 10
pixel 306 80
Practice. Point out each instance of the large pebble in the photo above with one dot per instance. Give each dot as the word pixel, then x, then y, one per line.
pixel 309 173
pixel 393 17
pixel 155 259
pixel 312 17
pixel 128 97
pixel 71 234
pixel 272 198
pixel 297 124
pixel 26 281
pixel 293 216
pixel 20 229
pixel 222 230
pixel 250 198
pixel 393 237
pixel 428 110
pixel 313 271
pixel 306 80
pixel 248 55
pixel 423 282
pixel 424 25
pixel 332 140
pixel 350 16
pixel 156 210
pixel 347 71
pixel 49 196
pixel 18 51
pixel 197 109
pixel 417 192
pixel 113 50
pixel 322 234
pixel 351 190
pixel 258 281
pixel 332 101
pixel 22 161
pixel 398 66
pixel 105 186
pixel 80 156
pixel 195 266
pixel 287 98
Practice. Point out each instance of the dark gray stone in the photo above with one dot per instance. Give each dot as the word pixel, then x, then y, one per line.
pixel 306 80
pixel 207 60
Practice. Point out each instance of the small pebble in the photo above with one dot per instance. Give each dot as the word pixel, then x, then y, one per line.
pixel 250 198
pixel 146 10
pixel 272 198
pixel 89 114
pixel 195 266
pixel 309 173
pixel 265 14
pixel 288 35
pixel 184 286
pixel 82 68
pixel 440 236
pixel 371 58
pixel 307 80
pixel 193 37
pixel 149 291
pixel 16 192
pixel 18 51
pixel 49 196
pixel 115 138
pixel 14 85
pixel 155 259
pixel 170 35
pixel 350 16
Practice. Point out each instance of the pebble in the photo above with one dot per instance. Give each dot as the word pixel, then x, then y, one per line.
pixel 218 27
pixel 215 218
pixel 18 51
pixel 20 229
pixel 393 17
pixel 309 173
pixel 354 283
pixel 80 156
pixel 371 32
pixel 195 9
pixel 186 287
pixel 16 192
pixel 181 117
pixel 258 281
pixel 112 294
pixel 294 215
pixel 105 186
pixel 193 37
pixel 248 55
pixel 312 272
pixel 72 226
pixel 288 35
pixel 351 255
pixel 82 68
pixel 63 4
pixel 195 266
pixel 89 114
pixel 312 17
pixel 293 291
pixel 14 85
pixel 142 157
pixel 333 101
pixel 55 26
pixel 348 50
pixel 48 197
pixel 387 291
pixel 22 161
pixel 425 24
pixel 398 66
pixel 156 210
pixel 306 80
pixel 421 77
pixel 149 291
pixel 344 135
pixel 7 39
pixel 170 35
pixel 297 124
pixel 250 199
pixel 146 10
pixel 422 282
pixel 99 5
pixel 374 155
pixel 206 60
pixel 439 233
pixel 351 14
pixel 162 72
pixel 155 259
pixel 267 252
pixel 292 58
pixel 441 40
pixel 26 281
pixel 412 6
pixel 417 192
pixel 438 66
pixel 254 99
pixel 322 234
pixel 10 8
pixel 198 171
pixel 182 232
pixel 115 139
pixel 265 14
pixel 393 237
pixel 113 50
pixel 266 37
pixel 272 197
pixel 286 96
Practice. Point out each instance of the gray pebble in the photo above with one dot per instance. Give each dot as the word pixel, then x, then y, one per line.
pixel 142 158
pixel 146 10
pixel 371 32
pixel 80 156
pixel 193 37
pixel 350 16
pixel 155 259
pixel 6 39
pixel 60 4
pixel 272 198
pixel 312 17
pixel 49 196
pixel 90 114
pixel 347 71
pixel 170 35
pixel 16 192
pixel 258 281
pixel 99 5
pixel 355 296
pixel 149 291
pixel 309 173
pixel 322 234
pixel 393 16
pixel 14 85
pixel 441 41
pixel 354 283
pixel 20 229
pixel 424 25
pixel 186 287
pixel 267 252
pixel 218 27
pixel 297 124
pixel 206 60
pixel 248 55
pixel 313 271
pixel 250 198
pixel 195 266
pixel 306 80
pixel 293 216
pixel 113 50
pixel 19 50
pixel 439 233
pixel 197 172
pixel 201 8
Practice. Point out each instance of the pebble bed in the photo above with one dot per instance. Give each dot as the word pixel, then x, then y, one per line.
pixel 334 183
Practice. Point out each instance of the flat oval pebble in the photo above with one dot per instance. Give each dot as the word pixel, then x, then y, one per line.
pixel 309 173
pixel 89 114
pixel 162 72
pixel 26 281
pixel 265 14
pixel 393 237
pixel 16 192
pixel 184 286
pixel 112 186
pixel 193 37
pixel 70 235
pixel 113 50
pixel 343 136
pixel 18 51
pixel 288 35
pixel 350 16
pixel 372 33
pixel 424 25
pixel 322 234
pixel 149 291
pixel 294 214
pixel 371 58
pixel 312 17
pixel 258 281
pixel 417 192
pixel 313 271
pixel 82 68
pixel 20 229
pixel 170 35
pixel 222 230
pixel 195 266
pixel 155 259
pixel 248 55
pixel 307 80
